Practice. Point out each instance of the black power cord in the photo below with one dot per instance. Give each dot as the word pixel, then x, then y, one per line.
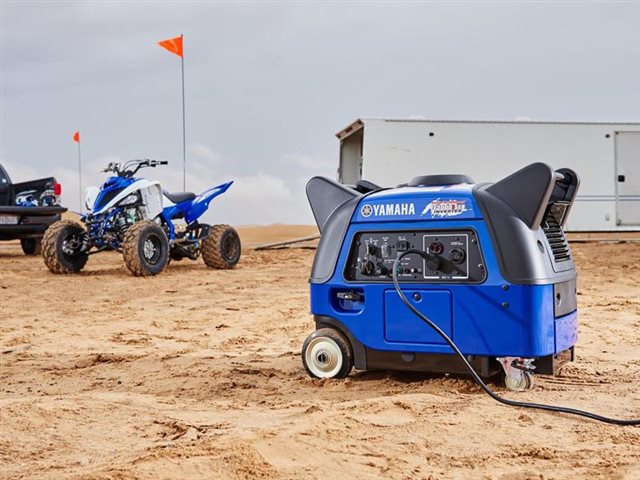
pixel 474 374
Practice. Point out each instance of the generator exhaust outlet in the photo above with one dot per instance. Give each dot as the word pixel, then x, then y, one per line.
pixel 444 275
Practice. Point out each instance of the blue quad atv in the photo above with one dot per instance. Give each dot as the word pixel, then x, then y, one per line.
pixel 147 225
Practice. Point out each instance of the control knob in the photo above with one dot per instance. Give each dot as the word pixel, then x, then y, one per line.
pixel 367 268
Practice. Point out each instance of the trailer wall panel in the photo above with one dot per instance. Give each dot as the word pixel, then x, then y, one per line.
pixel 395 151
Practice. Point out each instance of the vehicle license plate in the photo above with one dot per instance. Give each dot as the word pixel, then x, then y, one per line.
pixel 8 220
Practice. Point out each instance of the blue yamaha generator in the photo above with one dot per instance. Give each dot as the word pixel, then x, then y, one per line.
pixel 484 267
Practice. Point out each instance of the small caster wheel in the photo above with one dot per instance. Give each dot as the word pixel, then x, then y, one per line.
pixel 519 381
pixel 518 374
pixel 326 353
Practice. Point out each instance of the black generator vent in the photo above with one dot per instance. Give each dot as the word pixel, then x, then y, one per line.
pixel 555 236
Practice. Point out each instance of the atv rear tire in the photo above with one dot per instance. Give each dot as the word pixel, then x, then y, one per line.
pixel 222 248
pixel 31 246
pixel 145 249
pixel 60 247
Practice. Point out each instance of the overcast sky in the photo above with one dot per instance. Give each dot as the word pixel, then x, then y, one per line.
pixel 269 84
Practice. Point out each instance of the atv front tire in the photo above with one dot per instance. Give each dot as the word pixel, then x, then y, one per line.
pixel 61 247
pixel 222 248
pixel 145 249
pixel 31 246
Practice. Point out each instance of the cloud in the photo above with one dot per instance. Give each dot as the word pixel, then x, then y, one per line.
pixel 200 151
pixel 259 187
pixel 20 173
pixel 260 198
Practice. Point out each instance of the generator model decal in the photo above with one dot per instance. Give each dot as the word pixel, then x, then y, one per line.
pixel 427 209
pixel 388 209
pixel 446 208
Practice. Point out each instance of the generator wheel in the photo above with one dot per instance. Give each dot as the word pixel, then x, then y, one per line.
pixel 326 353
pixel 145 249
pixel 31 246
pixel 222 248
pixel 61 247
pixel 519 383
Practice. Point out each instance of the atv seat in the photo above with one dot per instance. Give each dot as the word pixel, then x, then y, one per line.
pixel 180 196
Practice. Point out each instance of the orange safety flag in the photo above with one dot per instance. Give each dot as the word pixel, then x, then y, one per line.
pixel 174 45
pixel 76 136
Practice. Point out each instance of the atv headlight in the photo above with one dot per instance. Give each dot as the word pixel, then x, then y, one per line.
pixel 91 194
pixel 129 199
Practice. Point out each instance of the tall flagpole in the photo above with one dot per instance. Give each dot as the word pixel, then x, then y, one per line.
pixel 79 175
pixel 175 46
pixel 184 129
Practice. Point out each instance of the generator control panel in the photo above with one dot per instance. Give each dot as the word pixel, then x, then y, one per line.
pixel 453 256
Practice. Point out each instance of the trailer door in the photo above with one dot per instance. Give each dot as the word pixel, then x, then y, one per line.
pixel 351 158
pixel 628 178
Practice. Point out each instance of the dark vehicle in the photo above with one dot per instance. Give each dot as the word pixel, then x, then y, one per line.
pixel 27 209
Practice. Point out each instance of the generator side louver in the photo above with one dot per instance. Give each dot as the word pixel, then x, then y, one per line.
pixel 556 237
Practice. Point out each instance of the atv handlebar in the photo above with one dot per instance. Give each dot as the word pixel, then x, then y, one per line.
pixel 130 168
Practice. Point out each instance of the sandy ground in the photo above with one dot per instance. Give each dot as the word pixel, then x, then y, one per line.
pixel 196 374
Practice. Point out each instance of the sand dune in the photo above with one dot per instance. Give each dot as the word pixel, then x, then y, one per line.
pixel 196 374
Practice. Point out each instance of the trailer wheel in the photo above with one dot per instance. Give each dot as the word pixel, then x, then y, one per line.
pixel 31 246
pixel 62 247
pixel 222 248
pixel 326 353
pixel 145 249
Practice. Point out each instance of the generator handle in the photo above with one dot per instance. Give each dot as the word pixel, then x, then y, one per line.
pixel 565 190
pixel 530 190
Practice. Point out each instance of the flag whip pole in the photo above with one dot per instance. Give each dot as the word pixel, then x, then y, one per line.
pixel 175 46
pixel 184 141
pixel 79 176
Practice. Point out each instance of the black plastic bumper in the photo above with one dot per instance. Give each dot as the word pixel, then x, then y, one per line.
pixel 31 221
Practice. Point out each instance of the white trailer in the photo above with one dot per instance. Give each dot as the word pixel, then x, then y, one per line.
pixel 606 156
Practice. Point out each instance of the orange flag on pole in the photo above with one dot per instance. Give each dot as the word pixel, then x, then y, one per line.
pixel 76 136
pixel 174 45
